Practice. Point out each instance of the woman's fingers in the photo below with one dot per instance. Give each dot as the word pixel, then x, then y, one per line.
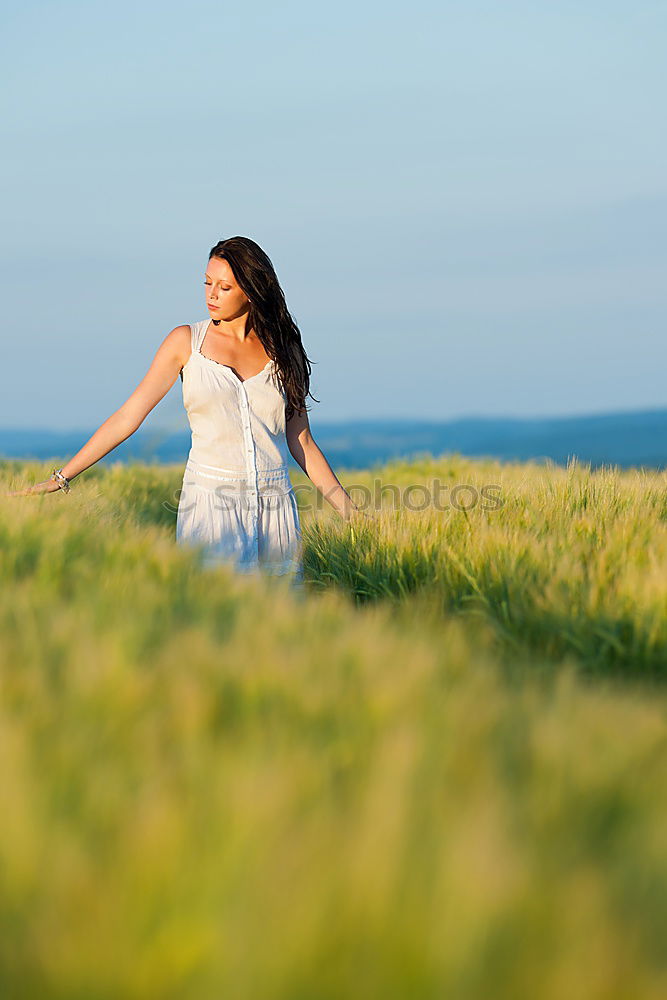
pixel 48 486
pixel 362 515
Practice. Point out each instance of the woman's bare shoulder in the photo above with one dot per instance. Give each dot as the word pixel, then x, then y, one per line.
pixel 180 341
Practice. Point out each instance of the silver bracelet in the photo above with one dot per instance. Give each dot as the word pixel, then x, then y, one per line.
pixel 63 481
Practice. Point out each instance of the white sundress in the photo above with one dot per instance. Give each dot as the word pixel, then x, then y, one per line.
pixel 237 499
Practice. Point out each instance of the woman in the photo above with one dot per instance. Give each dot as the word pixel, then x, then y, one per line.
pixel 245 378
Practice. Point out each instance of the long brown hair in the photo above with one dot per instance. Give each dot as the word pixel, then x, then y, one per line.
pixel 269 317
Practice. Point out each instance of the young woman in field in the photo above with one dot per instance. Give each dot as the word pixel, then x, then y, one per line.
pixel 245 378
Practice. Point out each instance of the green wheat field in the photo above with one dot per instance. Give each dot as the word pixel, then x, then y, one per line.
pixel 439 770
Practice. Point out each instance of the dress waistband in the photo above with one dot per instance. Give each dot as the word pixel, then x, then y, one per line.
pixel 233 476
pixel 212 477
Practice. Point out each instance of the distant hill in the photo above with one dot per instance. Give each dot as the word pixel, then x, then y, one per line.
pixel 627 439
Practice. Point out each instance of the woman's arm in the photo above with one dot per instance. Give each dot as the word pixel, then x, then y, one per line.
pixel 307 454
pixel 170 357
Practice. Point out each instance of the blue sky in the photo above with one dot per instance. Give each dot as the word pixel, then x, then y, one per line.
pixel 465 202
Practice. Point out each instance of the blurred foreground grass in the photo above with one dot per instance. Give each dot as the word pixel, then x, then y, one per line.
pixel 439 772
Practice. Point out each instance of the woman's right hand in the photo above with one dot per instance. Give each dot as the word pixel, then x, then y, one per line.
pixel 48 486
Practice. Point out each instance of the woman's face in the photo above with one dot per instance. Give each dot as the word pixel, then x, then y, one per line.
pixel 224 297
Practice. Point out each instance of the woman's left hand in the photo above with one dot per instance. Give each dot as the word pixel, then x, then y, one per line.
pixel 358 516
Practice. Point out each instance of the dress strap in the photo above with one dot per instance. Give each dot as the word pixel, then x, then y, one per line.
pixel 194 336
pixel 198 333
